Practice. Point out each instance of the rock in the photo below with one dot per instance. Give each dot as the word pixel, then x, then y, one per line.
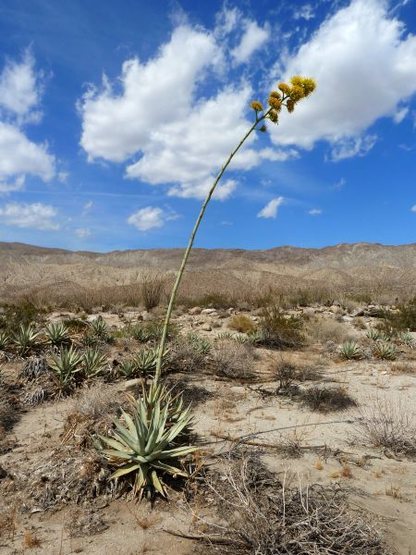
pixel 211 311
pixel 195 310
pixel 206 327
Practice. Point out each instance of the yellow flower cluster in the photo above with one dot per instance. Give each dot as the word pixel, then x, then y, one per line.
pixel 290 93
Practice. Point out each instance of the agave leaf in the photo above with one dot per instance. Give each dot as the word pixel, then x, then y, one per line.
pixel 157 483
pixel 173 470
pixel 126 469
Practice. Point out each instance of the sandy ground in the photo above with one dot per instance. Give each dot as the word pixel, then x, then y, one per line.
pixel 380 484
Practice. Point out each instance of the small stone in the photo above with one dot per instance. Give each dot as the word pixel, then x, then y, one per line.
pixel 206 327
pixel 211 311
pixel 195 310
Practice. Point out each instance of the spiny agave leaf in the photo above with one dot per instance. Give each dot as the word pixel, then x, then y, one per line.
pixel 173 470
pixel 126 469
pixel 157 483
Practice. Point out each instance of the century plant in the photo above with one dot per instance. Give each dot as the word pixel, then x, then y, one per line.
pixel 25 338
pixel 350 350
pixel 99 328
pixel 66 365
pixel 374 334
pixel 286 95
pixel 385 350
pixel 145 443
pixel 4 340
pixel 142 364
pixel 93 363
pixel 57 333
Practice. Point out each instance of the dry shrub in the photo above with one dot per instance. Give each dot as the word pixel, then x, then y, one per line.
pixel 278 330
pixel 188 354
pixel 91 412
pixel 241 323
pixel 321 330
pixel 233 360
pixel 30 540
pixel 286 373
pixel 152 288
pixel 388 424
pixel 261 515
pixel 403 368
pixel 85 523
pixel 327 399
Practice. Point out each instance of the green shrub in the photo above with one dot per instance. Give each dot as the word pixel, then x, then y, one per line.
pixel 278 330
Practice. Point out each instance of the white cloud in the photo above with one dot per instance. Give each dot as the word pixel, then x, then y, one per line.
pixel 83 232
pixel 315 212
pixel 352 146
pixel 413 209
pixel 304 12
pixel 12 186
pixel 117 125
pixel 19 102
pixel 150 217
pixel 20 89
pixel 365 66
pixel 35 216
pixel 254 37
pixel 20 156
pixel 400 114
pixel 271 208
pixel 177 139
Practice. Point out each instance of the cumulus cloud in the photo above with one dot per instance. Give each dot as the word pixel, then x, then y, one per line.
pixel 253 38
pixel 35 216
pixel 20 156
pixel 315 212
pixel 20 88
pixel 365 66
pixel 271 208
pixel 350 147
pixel 20 94
pixel 178 140
pixel 150 217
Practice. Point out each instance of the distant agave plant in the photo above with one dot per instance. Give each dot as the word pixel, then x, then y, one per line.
pixel 385 350
pixel 4 340
pixel 99 328
pixel 57 333
pixel 93 363
pixel 66 366
pixel 373 334
pixel 407 338
pixel 350 350
pixel 26 338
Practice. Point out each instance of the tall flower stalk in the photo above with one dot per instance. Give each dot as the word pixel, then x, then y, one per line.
pixel 287 95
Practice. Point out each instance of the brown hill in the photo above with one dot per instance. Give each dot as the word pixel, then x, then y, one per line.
pixel 24 268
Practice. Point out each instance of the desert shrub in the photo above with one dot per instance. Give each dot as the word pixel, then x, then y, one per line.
pixel 232 360
pixel 327 399
pixel 350 350
pixel 21 313
pixel 387 424
pixel 145 445
pixel 151 289
pixel 142 364
pixel 285 374
pixel 278 330
pixel 321 330
pixel 34 368
pixel 405 316
pixel 4 340
pixel 373 334
pixel 262 515
pixel 150 331
pixel 189 353
pixel 241 323
pixel 214 300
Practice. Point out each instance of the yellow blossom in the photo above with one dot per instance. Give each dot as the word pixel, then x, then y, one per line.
pixel 273 116
pixel 290 104
pixel 275 103
pixel 284 87
pixel 257 106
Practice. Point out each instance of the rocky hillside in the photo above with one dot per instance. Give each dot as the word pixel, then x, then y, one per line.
pixel 26 267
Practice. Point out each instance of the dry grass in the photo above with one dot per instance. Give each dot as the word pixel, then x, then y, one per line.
pixel 327 399
pixel 261 515
pixel 388 424
pixel 233 360
pixel 321 330
pixel 278 330
pixel 241 323
pixel 152 289
pixel 30 540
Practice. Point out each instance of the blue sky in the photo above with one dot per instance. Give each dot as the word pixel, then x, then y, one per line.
pixel 116 116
